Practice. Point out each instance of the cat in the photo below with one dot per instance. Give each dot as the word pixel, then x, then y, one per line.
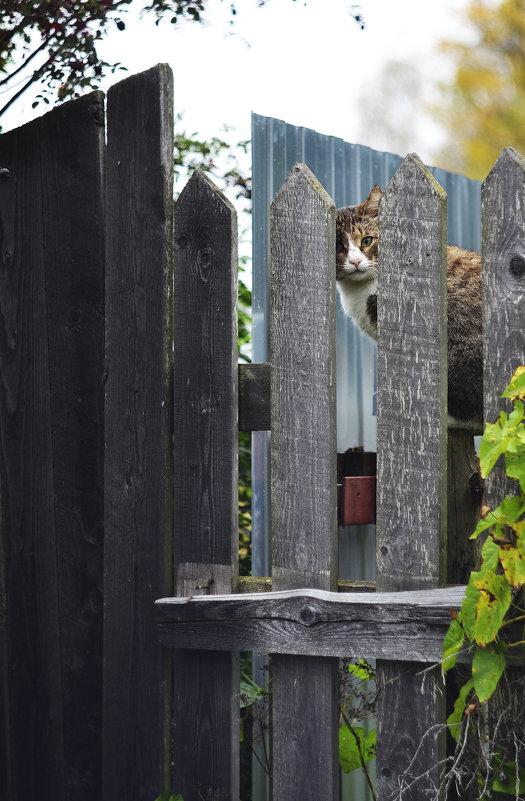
pixel 356 274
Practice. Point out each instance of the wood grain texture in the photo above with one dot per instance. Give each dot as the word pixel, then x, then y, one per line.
pixel 205 382
pixel 305 733
pixel 138 432
pixel 411 456
pixel 254 396
pixel 503 248
pixel 303 474
pixel 502 198
pixel 206 708
pixel 303 454
pixel 412 382
pixel 51 405
pixel 406 626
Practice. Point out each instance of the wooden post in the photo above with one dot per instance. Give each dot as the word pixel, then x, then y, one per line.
pixel 503 200
pixel 206 683
pixel 411 460
pixel 51 415
pixel 138 433
pixel 303 475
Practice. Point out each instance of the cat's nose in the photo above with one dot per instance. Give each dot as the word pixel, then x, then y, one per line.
pixel 355 259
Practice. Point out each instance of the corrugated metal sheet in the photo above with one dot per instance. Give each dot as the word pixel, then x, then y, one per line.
pixel 347 172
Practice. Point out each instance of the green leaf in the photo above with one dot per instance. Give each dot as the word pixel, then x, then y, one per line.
pixel 507 512
pixel 169 797
pixel 505 778
pixel 467 614
pixel 487 667
pixel 515 466
pixel 249 691
pixel 513 563
pixel 493 603
pixel 516 388
pixel 362 670
pixel 455 718
pixel 352 743
pixel 493 444
pixel 452 645
pixel 490 555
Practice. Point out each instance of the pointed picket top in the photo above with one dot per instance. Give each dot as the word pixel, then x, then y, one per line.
pixel 199 183
pixel 301 179
pixel 410 171
pixel 509 162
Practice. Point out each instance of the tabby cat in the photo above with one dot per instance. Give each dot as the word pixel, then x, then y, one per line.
pixel 356 273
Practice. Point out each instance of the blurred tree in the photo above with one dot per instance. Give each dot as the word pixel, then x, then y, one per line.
pixel 483 108
pixel 54 42
pixel 389 108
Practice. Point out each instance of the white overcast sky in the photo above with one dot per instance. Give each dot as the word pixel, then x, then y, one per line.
pixel 309 64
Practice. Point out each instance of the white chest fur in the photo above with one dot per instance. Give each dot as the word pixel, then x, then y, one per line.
pixel 354 295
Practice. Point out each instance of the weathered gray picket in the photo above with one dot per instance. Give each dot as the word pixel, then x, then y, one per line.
pixel 503 199
pixel 303 474
pixel 411 452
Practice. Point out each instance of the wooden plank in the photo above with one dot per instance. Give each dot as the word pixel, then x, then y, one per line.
pixel 412 382
pixel 51 356
pixel 411 458
pixel 503 200
pixel 254 396
pixel 138 463
pixel 206 708
pixel 303 474
pixel 408 626
pixel 303 458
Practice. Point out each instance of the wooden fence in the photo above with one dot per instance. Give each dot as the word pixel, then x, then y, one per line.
pixel 118 352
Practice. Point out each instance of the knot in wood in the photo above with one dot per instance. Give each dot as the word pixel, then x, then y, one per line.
pixel 517 265
pixel 308 615
pixel 477 486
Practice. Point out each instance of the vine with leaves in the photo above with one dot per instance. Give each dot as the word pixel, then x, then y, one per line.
pixel 490 625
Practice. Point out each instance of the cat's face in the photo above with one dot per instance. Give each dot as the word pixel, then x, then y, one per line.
pixel 356 240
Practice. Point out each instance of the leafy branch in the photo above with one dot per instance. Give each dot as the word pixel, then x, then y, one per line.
pixel 490 621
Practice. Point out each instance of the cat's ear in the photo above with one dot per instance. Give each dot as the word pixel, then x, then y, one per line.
pixel 371 204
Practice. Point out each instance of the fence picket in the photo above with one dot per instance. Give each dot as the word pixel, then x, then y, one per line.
pixel 503 227
pixel 138 433
pixel 51 404
pixel 303 479
pixel 411 456
pixel 206 683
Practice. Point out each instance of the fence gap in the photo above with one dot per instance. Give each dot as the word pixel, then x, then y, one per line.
pixel 503 238
pixel 303 475
pixel 411 457
pixel 51 353
pixel 206 683
pixel 138 433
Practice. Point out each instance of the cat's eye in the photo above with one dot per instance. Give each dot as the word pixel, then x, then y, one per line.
pixel 367 241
